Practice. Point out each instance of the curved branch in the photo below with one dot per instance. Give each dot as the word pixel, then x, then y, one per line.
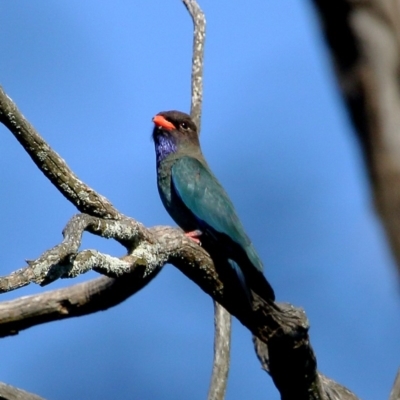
pixel 283 328
pixel 52 165
pixel 62 261
pixel 74 301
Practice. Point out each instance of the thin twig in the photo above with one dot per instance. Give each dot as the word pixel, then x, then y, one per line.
pixel 222 319
pixel 199 36
pixel 222 348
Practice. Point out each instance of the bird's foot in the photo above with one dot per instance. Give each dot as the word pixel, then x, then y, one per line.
pixel 194 235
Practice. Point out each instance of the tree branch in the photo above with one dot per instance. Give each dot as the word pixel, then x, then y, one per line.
pixel 222 319
pixel 199 36
pixel 74 301
pixel 222 349
pixel 8 392
pixel 284 329
pixel 84 198
pixel 364 39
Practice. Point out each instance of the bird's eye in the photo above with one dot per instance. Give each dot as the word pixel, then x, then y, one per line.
pixel 184 125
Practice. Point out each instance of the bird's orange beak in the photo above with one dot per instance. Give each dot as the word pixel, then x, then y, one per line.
pixel 160 121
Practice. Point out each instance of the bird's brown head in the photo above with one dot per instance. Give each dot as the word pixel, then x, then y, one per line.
pixel 174 131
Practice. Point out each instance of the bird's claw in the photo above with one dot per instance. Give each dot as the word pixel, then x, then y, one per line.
pixel 194 235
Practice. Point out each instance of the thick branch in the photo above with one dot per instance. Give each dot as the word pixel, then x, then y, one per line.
pixel 284 329
pixel 364 38
pixel 77 300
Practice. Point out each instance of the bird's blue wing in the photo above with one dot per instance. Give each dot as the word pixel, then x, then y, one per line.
pixel 204 196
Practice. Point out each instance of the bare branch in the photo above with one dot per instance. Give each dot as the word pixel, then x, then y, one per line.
pixel 291 360
pixel 292 386
pixel 222 319
pixel 199 36
pixel 77 300
pixel 395 393
pixel 17 279
pixel 364 39
pixel 222 348
pixel 52 165
pixel 63 261
pixel 8 392
pixel 335 391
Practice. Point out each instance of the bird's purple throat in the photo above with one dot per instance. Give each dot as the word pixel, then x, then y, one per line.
pixel 165 145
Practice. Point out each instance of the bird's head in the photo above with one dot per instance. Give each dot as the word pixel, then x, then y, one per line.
pixel 174 131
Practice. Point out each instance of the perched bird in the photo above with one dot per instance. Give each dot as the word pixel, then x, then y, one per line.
pixel 198 203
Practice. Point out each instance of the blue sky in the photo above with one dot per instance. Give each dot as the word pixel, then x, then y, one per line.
pixel 90 76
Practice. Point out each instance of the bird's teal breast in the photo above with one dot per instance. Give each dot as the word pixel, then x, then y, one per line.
pixel 164 183
pixel 171 201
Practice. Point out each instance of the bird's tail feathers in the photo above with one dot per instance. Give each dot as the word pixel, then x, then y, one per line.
pixel 241 278
pixel 255 281
pixel 259 284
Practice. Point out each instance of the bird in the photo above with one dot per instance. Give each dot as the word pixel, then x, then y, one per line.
pixel 198 203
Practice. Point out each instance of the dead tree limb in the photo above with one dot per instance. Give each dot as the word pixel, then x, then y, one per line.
pixel 283 328
pixel 364 39
pixel 84 198
pixel 74 301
